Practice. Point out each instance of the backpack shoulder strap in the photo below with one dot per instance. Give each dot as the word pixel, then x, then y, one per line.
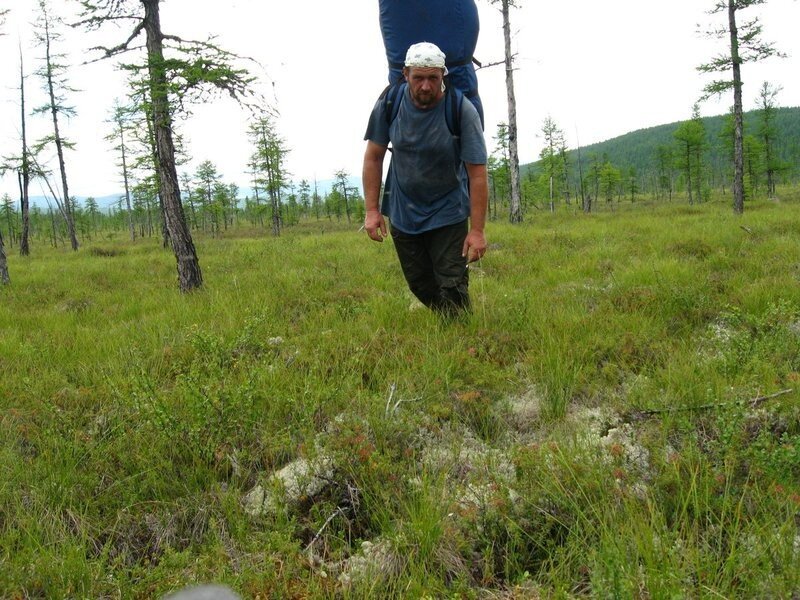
pixel 452 109
pixel 391 96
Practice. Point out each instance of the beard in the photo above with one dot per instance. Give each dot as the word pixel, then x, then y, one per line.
pixel 424 99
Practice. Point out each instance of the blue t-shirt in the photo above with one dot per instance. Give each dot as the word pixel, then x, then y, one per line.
pixel 427 182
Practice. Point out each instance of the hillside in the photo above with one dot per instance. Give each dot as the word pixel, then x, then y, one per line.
pixel 637 149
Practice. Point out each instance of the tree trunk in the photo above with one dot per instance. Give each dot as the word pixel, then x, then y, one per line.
pixel 770 171
pixel 738 125
pixel 515 215
pixel 25 171
pixel 53 228
pixel 587 206
pixel 189 274
pixel 4 278
pixel 68 217
pixel 689 170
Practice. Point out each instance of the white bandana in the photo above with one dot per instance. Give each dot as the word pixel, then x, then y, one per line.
pixel 425 54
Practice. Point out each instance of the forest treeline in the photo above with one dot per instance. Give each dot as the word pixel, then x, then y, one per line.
pixel 210 204
pixel 652 163
pixel 643 164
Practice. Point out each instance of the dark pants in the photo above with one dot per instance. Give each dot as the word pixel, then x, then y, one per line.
pixel 434 268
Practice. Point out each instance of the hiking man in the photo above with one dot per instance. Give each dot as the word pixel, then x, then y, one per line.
pixel 436 191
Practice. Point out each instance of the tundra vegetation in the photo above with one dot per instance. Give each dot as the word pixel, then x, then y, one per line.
pixel 617 417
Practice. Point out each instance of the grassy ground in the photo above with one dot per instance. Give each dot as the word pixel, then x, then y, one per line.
pixel 600 425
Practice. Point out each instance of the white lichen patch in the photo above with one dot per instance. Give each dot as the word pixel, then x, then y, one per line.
pixel 375 561
pixel 591 424
pixel 620 443
pixel 523 412
pixel 715 341
pixel 463 458
pixel 300 478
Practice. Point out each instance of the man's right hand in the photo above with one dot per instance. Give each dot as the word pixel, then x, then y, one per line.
pixel 375 225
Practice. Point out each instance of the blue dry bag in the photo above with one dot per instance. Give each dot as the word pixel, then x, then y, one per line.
pixel 450 24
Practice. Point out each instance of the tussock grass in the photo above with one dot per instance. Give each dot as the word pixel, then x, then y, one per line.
pixel 558 442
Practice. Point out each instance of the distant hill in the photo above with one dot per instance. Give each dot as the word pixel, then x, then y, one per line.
pixel 106 202
pixel 103 202
pixel 637 149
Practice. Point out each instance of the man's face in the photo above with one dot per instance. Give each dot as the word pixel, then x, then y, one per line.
pixel 425 85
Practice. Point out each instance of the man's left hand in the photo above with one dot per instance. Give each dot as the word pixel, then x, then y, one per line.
pixel 474 246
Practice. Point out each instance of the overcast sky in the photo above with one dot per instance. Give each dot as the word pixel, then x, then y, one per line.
pixel 600 69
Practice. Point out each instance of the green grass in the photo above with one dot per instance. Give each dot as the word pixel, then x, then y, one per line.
pixel 556 443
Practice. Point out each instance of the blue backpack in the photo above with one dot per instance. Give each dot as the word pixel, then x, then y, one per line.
pixel 452 25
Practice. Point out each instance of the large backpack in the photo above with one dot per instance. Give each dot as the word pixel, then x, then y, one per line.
pixel 450 24
pixel 453 97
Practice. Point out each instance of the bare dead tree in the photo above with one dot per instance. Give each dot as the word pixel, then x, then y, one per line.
pixel 515 212
pixel 24 172
pixel 55 85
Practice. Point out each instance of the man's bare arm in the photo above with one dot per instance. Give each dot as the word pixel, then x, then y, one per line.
pixel 475 242
pixel 371 176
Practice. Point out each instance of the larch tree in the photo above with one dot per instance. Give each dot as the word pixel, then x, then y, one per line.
pixel 187 192
pixel 206 179
pixel 176 71
pixel 268 163
pixel 121 128
pixel 515 209
pixel 745 45
pixel 553 157
pixel 53 75
pixel 691 139
pixel 10 216
pixel 22 166
pixel 768 133
pixel 92 212
pixel 499 169
pixel 316 202
pixel 341 178
pixel 610 179
pixel 305 197
pixel 665 162
pixel 593 178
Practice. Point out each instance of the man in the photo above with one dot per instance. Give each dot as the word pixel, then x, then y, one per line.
pixel 436 191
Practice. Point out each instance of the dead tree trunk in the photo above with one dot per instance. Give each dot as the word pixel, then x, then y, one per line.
pixel 515 215
pixel 25 170
pixel 59 141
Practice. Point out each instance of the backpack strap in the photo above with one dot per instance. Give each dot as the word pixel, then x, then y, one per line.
pixel 392 96
pixel 452 110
